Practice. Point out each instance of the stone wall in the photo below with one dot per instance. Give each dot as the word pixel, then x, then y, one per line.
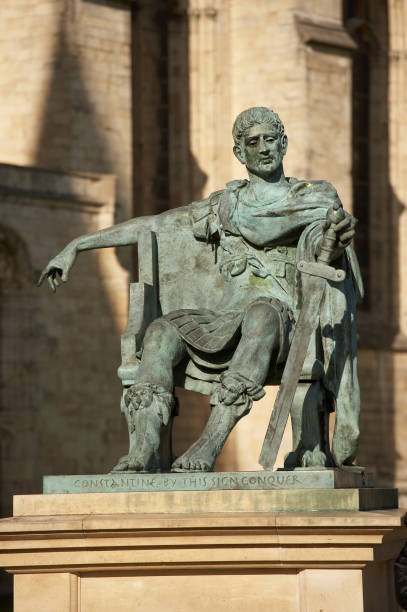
pixel 286 55
pixel 59 392
pixel 397 201
pixel 65 86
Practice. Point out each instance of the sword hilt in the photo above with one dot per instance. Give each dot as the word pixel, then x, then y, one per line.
pixel 329 241
pixel 328 245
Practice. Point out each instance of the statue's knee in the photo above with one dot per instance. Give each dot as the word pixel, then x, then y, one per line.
pixel 235 393
pixel 260 319
pixel 160 331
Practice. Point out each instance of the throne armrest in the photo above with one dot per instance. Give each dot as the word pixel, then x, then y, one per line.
pixel 143 307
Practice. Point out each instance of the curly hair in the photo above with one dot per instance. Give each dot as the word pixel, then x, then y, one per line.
pixel 249 117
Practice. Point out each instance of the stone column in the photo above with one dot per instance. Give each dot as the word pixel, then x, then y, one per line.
pixel 209 89
pixel 199 99
pixel 397 100
pixel 397 97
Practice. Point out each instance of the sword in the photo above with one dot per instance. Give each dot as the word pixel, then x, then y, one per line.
pixel 319 271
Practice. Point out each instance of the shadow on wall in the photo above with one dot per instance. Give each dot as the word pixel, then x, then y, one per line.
pixel 165 173
pixel 79 130
pixel 16 383
pixel 378 346
pixel 70 138
pixel 16 284
pixel 59 392
pixel 377 245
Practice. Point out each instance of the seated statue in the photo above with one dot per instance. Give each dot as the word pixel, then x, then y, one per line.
pixel 260 228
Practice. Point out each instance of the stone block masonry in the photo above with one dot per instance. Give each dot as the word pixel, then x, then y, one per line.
pixel 59 353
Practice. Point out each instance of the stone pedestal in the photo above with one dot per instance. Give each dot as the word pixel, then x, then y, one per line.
pixel 282 491
pixel 93 552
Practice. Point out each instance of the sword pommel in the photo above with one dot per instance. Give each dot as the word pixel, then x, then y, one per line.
pixel 335 214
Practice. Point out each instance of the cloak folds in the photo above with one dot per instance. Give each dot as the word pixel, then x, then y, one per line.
pixel 336 328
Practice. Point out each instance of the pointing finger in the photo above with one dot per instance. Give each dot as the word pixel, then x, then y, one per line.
pixel 42 276
pixel 51 284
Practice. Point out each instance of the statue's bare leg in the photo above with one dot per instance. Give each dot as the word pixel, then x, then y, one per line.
pixel 163 349
pixel 239 386
pixel 148 403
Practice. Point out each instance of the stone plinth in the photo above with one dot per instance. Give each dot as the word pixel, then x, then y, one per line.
pixel 197 481
pixel 261 491
pixel 82 558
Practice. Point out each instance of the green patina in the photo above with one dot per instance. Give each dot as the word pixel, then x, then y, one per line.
pixel 248 241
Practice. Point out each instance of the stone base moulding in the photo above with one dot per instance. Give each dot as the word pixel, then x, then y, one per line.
pixel 246 500
pixel 82 560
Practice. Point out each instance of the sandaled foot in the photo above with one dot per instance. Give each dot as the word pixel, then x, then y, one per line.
pixel 192 463
pixel 141 457
pixel 122 465
pixel 148 408
pixel 200 457
pixel 231 399
pixel 138 462
pixel 315 458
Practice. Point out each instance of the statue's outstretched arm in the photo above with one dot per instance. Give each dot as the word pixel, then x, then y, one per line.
pixel 123 234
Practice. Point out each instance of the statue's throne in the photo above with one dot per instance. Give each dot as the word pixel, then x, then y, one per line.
pixel 172 278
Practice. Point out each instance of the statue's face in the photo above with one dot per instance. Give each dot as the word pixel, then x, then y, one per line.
pixel 262 149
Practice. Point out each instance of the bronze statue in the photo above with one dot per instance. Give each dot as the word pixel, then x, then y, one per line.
pixel 262 231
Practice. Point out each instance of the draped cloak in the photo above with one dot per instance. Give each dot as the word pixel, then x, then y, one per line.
pixel 258 246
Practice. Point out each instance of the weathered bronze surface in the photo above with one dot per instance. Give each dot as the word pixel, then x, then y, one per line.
pixel 134 481
pixel 222 284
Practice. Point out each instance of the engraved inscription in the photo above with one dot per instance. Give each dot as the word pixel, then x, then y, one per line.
pixel 182 482
pixel 137 483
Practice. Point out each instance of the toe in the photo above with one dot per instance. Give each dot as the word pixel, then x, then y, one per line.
pixel 122 465
pixel 136 465
pixel 182 463
pixel 132 464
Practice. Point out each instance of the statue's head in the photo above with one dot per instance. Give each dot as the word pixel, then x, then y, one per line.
pixel 260 141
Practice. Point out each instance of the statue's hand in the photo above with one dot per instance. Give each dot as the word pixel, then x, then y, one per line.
pixel 339 231
pixel 345 230
pixel 59 267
